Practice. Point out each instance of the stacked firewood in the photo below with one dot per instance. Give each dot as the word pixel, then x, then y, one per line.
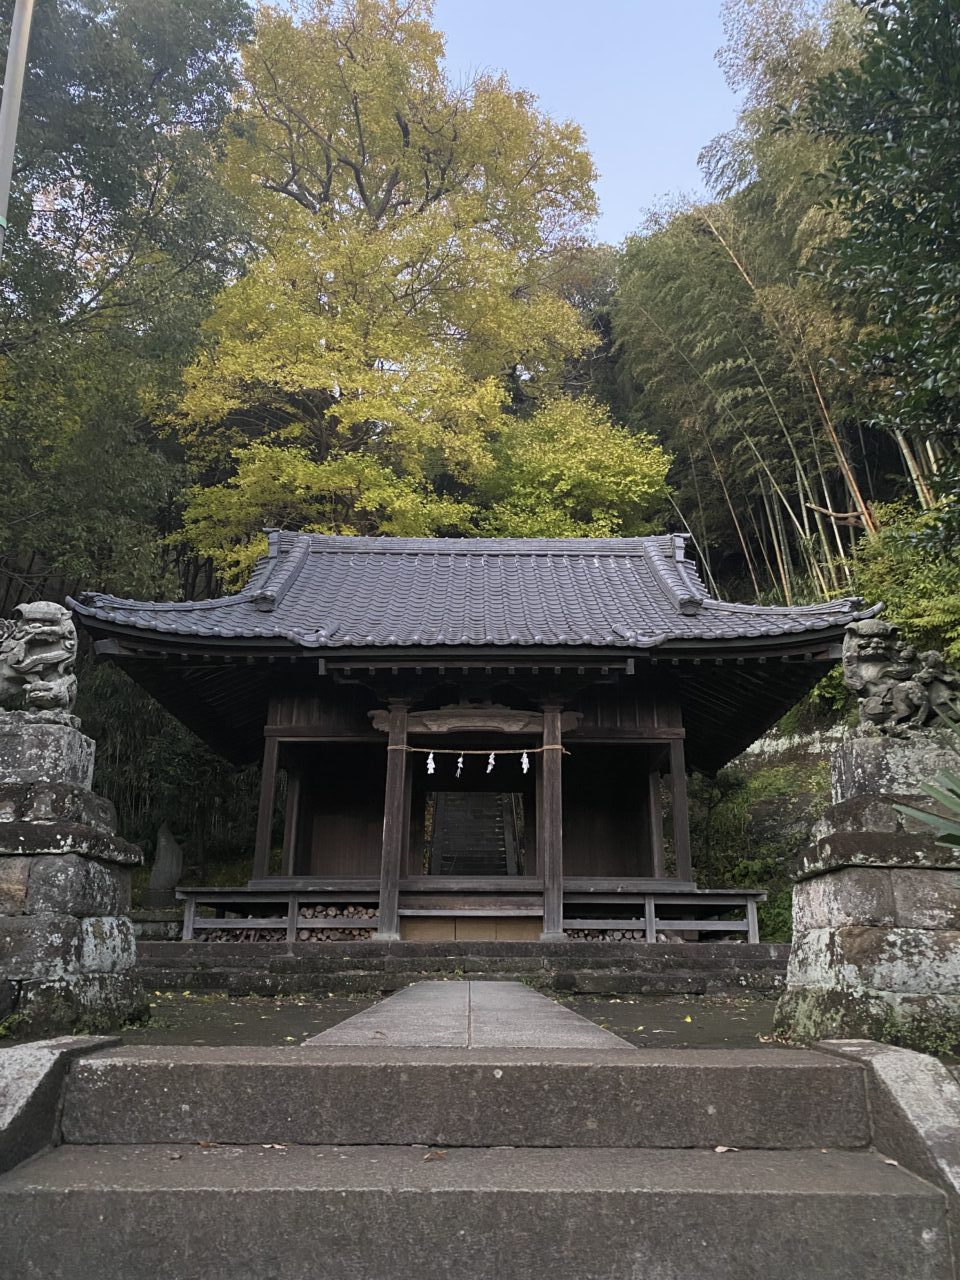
pixel 253 934
pixel 320 913
pixel 312 933
pixel 606 935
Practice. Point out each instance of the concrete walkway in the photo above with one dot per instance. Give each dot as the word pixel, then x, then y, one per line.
pixel 469 1015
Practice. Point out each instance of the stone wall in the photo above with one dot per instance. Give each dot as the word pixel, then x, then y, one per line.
pixel 67 948
pixel 876 907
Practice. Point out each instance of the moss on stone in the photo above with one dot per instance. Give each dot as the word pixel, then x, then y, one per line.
pixel 926 1024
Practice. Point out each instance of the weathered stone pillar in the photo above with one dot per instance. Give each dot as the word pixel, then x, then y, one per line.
pixel 66 943
pixel 876 907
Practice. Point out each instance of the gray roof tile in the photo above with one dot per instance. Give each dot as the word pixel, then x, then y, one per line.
pixel 320 592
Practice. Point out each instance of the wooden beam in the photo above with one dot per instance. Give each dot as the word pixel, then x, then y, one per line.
pixel 681 816
pixel 268 789
pixel 394 812
pixel 550 822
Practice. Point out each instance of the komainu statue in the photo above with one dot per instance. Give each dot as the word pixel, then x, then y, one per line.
pixel 38 650
pixel 899 689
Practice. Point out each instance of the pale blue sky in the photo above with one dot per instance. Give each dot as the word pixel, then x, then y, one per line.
pixel 638 75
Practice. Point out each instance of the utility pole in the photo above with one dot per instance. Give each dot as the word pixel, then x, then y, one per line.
pixel 10 103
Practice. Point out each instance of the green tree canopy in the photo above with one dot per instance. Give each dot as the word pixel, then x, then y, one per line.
pixel 120 231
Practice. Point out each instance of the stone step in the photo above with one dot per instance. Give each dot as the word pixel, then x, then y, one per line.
pixel 268 968
pixel 385 1213
pixel 517 1097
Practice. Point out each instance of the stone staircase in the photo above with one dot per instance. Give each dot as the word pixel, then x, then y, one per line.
pixel 401 1145
pixel 473 834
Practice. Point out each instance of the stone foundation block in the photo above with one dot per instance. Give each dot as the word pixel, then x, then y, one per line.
pixel 873 813
pixel 38 751
pixel 55 802
pixel 926 899
pixel 14 878
pixel 875 849
pixel 927 1022
pixel 853 895
pixel 107 944
pixel 95 1001
pixel 875 765
pixel 917 961
pixel 76 886
pixel 28 839
pixel 39 946
pixel 917 898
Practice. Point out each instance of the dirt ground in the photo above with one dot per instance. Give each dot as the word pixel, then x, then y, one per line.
pixel 214 1019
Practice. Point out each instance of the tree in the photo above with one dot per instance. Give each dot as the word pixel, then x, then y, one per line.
pixel 916 576
pixel 400 313
pixel 567 472
pixel 119 233
pixel 736 353
pixel 895 186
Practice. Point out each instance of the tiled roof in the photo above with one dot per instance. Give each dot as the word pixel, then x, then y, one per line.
pixel 319 592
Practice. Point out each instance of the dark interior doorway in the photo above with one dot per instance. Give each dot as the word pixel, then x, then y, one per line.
pixel 474 833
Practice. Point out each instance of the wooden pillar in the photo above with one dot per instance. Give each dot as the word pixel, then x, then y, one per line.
pixel 538 811
pixel 189 915
pixel 405 867
pixel 551 826
pixel 655 817
pixel 291 822
pixel 753 924
pixel 268 789
pixel 681 817
pixel 394 821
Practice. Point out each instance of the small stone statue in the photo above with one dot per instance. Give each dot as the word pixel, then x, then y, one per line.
pixel 38 651
pixel 899 689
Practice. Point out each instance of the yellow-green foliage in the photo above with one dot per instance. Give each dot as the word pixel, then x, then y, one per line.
pixel 566 471
pixel 915 576
pixel 393 359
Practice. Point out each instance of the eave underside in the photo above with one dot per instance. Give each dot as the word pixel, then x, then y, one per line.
pixel 727 699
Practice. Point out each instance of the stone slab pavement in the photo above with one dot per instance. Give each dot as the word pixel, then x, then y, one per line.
pixel 469 1015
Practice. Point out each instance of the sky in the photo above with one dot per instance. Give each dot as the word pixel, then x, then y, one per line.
pixel 640 76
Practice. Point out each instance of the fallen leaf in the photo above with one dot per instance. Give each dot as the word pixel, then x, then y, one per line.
pixel 434 1155
pixel 688 1018
pixel 205 1142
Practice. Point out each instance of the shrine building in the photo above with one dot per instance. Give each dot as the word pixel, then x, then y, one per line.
pixel 473 738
